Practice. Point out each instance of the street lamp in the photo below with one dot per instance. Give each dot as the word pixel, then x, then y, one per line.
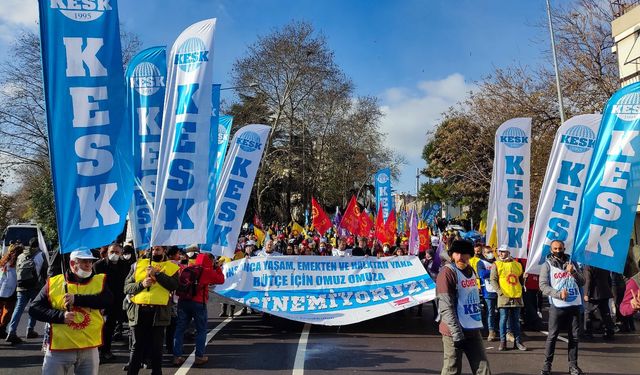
pixel 251 86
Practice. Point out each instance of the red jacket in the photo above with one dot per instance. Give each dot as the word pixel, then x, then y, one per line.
pixel 210 275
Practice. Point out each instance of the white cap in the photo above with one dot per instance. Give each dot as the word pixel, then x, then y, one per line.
pixel 503 247
pixel 82 253
pixel 193 247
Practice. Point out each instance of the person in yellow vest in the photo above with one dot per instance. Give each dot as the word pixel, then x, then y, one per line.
pixel 506 279
pixel 473 261
pixel 149 286
pixel 74 317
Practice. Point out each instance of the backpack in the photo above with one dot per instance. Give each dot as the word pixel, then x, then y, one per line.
pixel 26 273
pixel 188 282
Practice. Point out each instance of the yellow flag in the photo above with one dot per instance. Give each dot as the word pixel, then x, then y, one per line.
pixel 483 227
pixel 297 227
pixel 260 234
pixel 493 240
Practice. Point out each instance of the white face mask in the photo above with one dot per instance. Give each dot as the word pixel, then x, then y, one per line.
pixel 82 273
pixel 489 256
pixel 114 257
pixel 385 249
pixel 190 254
pixel 126 256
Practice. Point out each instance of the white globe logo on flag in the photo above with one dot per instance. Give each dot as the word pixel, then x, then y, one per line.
pixel 85 11
pixel 146 79
pixel 222 134
pixel 628 107
pixel 383 178
pixel 514 137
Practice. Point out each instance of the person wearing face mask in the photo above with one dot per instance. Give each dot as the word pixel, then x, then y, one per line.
pixel 150 284
pixel 460 312
pixel 560 280
pixel 192 253
pixel 71 304
pixel 506 280
pixel 128 255
pixel 386 250
pixel 116 271
pixel 485 265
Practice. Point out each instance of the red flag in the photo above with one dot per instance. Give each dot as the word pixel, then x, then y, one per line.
pixel 381 231
pixel 425 239
pixel 256 221
pixel 319 218
pixel 366 224
pixel 390 227
pixel 351 218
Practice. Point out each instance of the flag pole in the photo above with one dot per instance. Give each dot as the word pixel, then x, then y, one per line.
pixel 555 63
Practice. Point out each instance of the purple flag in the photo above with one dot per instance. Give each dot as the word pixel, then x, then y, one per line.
pixel 437 261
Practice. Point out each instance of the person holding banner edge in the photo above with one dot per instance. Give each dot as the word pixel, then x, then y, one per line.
pixel 560 280
pixel 460 312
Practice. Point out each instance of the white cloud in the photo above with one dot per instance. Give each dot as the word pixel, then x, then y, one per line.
pixel 410 113
pixel 17 14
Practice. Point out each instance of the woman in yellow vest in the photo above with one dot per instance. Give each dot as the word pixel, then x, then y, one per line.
pixel 506 279
pixel 74 316
pixel 149 286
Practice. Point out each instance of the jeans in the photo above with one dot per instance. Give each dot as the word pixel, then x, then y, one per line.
pixel 473 349
pixel 68 362
pixel 21 304
pixel 562 318
pixel 510 316
pixel 188 310
pixel 492 314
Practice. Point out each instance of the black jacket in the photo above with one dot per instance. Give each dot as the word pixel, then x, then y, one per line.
pixel 597 283
pixel 41 306
pixel 116 275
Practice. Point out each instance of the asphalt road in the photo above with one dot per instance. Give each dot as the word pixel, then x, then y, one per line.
pixel 402 343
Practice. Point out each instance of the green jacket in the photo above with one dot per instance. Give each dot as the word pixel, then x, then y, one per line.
pixel 162 317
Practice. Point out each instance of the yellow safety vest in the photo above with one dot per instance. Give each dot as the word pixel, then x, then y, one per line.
pixel 473 261
pixel 509 278
pixel 86 330
pixel 156 294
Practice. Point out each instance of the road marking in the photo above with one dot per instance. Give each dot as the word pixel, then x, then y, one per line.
pixel 186 366
pixel 298 364
pixel 559 337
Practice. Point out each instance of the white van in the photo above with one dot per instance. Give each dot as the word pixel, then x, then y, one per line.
pixel 24 233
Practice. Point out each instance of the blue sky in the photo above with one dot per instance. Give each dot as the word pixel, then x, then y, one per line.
pixel 417 57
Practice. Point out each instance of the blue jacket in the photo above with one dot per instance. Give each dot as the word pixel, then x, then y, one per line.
pixel 484 275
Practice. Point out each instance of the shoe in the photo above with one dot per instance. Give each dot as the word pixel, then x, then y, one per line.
pixel 491 336
pixel 178 361
pixel 576 371
pixel 32 334
pixel 545 372
pixel 520 346
pixel 13 339
pixel 125 367
pixel 108 356
pixel 502 347
pixel 510 337
pixel 199 361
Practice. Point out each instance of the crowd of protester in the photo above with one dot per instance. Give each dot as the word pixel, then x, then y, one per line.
pixel 160 295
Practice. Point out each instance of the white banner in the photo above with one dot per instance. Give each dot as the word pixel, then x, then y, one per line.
pixel 182 190
pixel 561 194
pixel 327 290
pixel 234 188
pixel 512 169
